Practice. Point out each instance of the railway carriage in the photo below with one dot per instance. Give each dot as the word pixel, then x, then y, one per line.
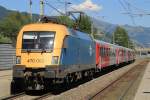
pixel 109 54
pixel 102 54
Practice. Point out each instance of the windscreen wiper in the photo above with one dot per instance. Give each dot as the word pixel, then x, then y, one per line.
pixel 43 50
pixel 29 50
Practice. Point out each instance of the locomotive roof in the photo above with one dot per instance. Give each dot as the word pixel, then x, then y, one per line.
pixel 46 25
pixel 79 34
pixel 55 26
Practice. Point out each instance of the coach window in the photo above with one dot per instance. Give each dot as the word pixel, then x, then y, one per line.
pixel 109 51
pixel 103 53
pixel 113 52
pixel 106 51
pixel 100 51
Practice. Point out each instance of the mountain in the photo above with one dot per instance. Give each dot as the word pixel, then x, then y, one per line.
pixel 136 33
pixel 3 12
pixel 139 33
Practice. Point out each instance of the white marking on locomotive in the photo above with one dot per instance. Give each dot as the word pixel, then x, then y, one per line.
pixel 90 50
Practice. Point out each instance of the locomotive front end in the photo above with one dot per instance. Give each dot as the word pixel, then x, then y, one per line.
pixel 38 51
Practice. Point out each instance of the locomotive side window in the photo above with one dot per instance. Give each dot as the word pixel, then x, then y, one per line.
pixel 38 40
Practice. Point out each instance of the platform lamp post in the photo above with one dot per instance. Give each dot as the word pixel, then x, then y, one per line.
pixel 113 38
pixel 92 31
pixel 30 3
pixel 66 5
pixel 41 8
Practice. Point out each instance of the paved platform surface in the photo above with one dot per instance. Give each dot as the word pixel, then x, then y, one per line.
pixel 143 92
pixel 5 79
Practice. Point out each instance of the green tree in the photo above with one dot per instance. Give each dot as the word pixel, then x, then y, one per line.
pixel 131 44
pixel 10 25
pixel 97 34
pixel 66 21
pixel 85 24
pixel 120 37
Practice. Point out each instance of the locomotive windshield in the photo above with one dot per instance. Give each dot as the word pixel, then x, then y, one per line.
pixel 38 40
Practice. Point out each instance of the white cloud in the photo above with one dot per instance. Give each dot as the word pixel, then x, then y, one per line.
pixel 87 5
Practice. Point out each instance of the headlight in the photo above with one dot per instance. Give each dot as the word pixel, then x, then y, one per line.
pixel 18 60
pixel 55 60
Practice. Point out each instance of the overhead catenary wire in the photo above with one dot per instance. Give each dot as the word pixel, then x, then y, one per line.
pixel 130 10
pixel 139 11
pixel 48 4
pixel 67 13
pixel 64 14
pixel 127 8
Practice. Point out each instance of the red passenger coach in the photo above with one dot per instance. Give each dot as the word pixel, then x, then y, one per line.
pixel 109 54
pixel 102 54
pixel 97 55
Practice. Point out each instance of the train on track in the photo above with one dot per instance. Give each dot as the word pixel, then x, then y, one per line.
pixel 51 53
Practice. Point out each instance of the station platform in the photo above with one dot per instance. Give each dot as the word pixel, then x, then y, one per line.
pixel 143 92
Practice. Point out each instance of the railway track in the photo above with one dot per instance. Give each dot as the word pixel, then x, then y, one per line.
pixel 4 75
pixel 12 97
pixel 23 96
pixel 130 77
pixel 43 96
pixel 4 69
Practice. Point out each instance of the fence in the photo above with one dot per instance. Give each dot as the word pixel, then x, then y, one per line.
pixel 7 56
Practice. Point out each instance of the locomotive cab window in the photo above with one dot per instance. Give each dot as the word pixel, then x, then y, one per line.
pixel 38 40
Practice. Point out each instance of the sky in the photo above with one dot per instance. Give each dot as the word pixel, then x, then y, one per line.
pixel 121 12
